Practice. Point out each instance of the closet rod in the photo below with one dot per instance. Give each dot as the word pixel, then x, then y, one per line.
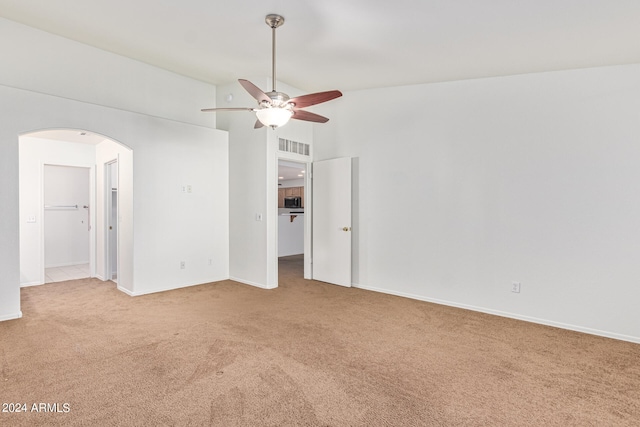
pixel 60 207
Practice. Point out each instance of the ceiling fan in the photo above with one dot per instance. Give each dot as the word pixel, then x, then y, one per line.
pixel 276 108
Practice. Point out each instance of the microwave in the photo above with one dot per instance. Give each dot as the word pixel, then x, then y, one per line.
pixel 293 202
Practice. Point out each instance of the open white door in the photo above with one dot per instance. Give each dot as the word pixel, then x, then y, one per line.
pixel 332 221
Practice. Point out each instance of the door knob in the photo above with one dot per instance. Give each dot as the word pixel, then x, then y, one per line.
pixel 346 228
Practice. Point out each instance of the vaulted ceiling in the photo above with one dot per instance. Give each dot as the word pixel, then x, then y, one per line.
pixel 348 45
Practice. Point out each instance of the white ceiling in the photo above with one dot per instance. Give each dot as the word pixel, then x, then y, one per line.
pixel 290 170
pixel 348 45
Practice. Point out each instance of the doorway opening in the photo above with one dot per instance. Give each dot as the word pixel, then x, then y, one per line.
pixel 328 217
pixel 111 215
pixel 54 166
pixel 66 222
pixel 292 202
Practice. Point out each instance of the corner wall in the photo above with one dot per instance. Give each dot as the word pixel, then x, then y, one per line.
pixel 466 187
pixel 247 188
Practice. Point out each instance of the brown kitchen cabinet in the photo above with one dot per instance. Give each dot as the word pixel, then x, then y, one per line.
pixel 290 192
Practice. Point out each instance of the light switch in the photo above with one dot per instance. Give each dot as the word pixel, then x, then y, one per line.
pixel 258 217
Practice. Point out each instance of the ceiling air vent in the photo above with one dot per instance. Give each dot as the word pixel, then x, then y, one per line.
pixel 293 147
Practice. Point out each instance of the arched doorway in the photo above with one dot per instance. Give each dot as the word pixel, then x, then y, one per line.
pixel 59 231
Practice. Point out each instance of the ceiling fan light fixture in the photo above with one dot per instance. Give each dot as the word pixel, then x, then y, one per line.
pixel 274 117
pixel 276 108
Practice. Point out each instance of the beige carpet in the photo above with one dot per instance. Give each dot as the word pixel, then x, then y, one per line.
pixel 306 354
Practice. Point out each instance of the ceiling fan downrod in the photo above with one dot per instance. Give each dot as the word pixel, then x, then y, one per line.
pixel 274 21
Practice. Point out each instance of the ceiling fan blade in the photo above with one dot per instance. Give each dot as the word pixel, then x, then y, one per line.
pixel 314 98
pixel 258 124
pixel 208 110
pixel 254 91
pixel 309 117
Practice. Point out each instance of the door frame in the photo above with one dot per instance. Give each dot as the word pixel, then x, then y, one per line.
pixel 308 200
pixel 107 215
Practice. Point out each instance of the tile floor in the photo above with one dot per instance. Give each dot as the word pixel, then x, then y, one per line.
pixel 69 272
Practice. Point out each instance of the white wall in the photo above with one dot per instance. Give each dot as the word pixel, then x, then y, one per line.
pixel 168 226
pixel 464 187
pixel 156 114
pixel 66 230
pixel 35 153
pixel 171 226
pixel 247 189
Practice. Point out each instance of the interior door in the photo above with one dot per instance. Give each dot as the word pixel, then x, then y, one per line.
pixel 113 235
pixel 331 218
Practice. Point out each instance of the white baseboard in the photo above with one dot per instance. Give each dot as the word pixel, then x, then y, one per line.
pixel 168 288
pixel 248 282
pixel 126 291
pixel 97 276
pixel 26 285
pixel 545 322
pixel 12 316
pixel 38 283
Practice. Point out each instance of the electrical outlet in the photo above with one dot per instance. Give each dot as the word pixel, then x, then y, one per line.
pixel 182 265
pixel 515 287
